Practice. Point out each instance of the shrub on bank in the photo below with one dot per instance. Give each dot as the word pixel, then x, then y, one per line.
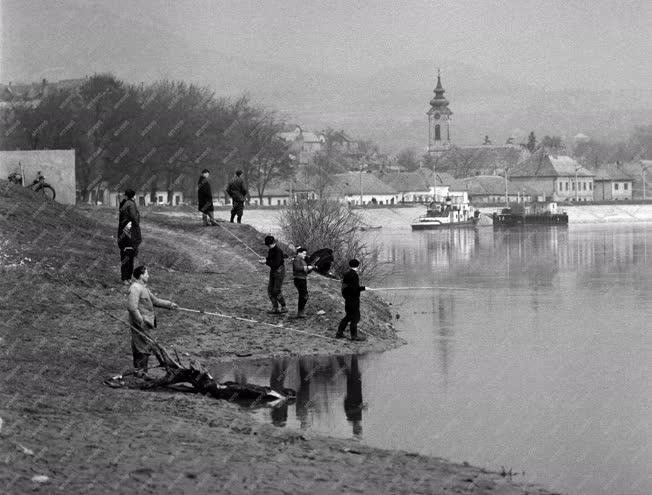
pixel 320 223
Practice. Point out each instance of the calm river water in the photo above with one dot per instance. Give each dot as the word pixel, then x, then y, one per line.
pixel 535 353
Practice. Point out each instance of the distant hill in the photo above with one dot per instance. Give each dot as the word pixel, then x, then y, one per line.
pixel 388 107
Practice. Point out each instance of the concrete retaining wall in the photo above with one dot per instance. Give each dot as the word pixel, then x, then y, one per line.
pixel 58 167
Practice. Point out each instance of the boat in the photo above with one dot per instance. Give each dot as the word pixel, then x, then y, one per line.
pixel 538 213
pixel 448 214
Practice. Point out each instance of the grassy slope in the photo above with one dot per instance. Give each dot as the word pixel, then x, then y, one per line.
pixel 87 437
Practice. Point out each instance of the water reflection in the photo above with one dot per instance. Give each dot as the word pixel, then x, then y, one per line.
pixel 532 351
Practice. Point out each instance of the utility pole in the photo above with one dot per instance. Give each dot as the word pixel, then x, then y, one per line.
pixel 361 166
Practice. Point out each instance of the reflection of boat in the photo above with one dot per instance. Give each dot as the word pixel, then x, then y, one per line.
pixel 544 213
pixel 458 213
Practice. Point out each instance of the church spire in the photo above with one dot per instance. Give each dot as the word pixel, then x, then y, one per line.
pixel 439 101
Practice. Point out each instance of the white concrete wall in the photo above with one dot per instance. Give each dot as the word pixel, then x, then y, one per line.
pixel 58 167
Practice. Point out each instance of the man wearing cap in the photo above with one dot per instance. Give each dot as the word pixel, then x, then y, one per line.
pixel 275 260
pixel 238 192
pixel 205 198
pixel 351 289
pixel 129 237
pixel 300 271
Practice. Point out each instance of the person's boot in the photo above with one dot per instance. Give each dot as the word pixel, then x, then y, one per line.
pixel 274 311
pixel 284 309
pixel 301 314
pixel 358 338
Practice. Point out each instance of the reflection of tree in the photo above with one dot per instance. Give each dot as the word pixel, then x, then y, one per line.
pixel 353 400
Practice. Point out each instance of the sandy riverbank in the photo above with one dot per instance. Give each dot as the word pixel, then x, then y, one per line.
pixel 60 421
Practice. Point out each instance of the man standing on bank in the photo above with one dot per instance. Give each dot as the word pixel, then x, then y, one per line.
pixel 142 318
pixel 205 198
pixel 351 289
pixel 275 260
pixel 300 271
pixel 129 237
pixel 238 193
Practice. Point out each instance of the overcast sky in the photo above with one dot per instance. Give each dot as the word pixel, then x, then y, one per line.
pixel 591 44
pixel 551 43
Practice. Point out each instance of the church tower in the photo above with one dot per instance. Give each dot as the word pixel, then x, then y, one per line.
pixel 439 119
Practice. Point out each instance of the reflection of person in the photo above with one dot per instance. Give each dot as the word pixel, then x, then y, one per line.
pixel 303 392
pixel 205 198
pixel 353 400
pixel 300 271
pixel 140 304
pixel 238 193
pixel 277 382
pixel 276 262
pixel 351 289
pixel 129 237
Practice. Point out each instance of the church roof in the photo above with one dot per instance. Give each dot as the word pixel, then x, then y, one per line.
pixel 543 164
pixel 464 161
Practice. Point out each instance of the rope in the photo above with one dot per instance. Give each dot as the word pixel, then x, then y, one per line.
pixel 249 320
pixel 419 288
pixel 240 240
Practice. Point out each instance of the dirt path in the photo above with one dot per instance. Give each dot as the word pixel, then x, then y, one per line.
pixel 61 423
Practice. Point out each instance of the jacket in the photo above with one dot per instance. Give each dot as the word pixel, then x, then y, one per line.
pixel 140 304
pixel 129 213
pixel 275 259
pixel 351 287
pixel 300 268
pixel 204 195
pixel 237 190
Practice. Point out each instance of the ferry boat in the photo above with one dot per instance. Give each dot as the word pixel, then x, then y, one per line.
pixel 540 213
pixel 453 212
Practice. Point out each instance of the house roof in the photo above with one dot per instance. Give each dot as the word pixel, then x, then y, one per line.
pixel 611 172
pixel 543 164
pixel 405 181
pixel 352 183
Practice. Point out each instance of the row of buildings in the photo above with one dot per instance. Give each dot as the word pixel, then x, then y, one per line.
pixel 541 177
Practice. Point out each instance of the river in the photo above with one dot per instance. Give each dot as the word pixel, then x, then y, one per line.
pixel 533 353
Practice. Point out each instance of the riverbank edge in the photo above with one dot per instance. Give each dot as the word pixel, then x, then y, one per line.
pixel 59 421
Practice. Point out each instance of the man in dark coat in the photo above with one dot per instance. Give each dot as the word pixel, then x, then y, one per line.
pixel 205 198
pixel 300 271
pixel 129 237
pixel 276 262
pixel 238 193
pixel 351 289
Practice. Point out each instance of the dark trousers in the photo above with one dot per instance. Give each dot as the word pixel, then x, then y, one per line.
pixel 302 288
pixel 237 209
pixel 352 316
pixel 127 256
pixel 274 288
pixel 208 218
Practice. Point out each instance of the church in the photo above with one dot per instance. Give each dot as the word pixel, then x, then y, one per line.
pixel 464 161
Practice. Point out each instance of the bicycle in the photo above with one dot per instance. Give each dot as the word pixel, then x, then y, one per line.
pixel 38 185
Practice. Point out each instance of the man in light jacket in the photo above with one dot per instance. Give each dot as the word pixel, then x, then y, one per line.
pixel 142 318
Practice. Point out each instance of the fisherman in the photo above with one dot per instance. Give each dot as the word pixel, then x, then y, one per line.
pixel 275 260
pixel 238 193
pixel 300 271
pixel 142 318
pixel 351 289
pixel 205 198
pixel 129 237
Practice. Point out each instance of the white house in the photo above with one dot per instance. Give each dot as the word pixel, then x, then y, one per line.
pixel 361 188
